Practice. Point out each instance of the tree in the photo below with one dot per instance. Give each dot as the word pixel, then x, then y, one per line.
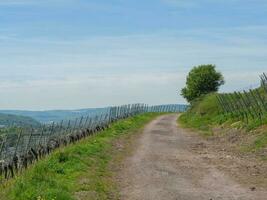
pixel 202 80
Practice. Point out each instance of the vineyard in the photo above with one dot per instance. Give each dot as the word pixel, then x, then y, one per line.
pixel 246 106
pixel 27 145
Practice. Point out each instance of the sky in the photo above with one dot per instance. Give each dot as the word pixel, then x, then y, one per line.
pixel 69 54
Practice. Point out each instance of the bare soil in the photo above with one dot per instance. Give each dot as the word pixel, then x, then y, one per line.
pixel 170 163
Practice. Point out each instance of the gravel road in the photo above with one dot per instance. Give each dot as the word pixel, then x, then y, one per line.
pixel 163 166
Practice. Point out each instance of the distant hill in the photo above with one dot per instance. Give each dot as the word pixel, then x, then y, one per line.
pixel 58 115
pixel 55 115
pixel 11 120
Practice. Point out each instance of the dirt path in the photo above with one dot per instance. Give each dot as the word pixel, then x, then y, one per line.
pixel 164 166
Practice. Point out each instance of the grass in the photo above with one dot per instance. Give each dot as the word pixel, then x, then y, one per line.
pixel 81 169
pixel 261 142
pixel 205 114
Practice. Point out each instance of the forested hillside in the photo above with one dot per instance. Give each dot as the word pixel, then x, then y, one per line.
pixel 54 115
pixel 7 120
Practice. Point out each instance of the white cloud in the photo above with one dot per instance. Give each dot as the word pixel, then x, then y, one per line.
pixel 44 74
pixel 92 91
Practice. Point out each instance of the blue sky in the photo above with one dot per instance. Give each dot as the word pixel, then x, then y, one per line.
pixel 57 54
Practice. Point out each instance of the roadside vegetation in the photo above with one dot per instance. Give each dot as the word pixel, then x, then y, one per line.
pixel 205 115
pixel 202 80
pixel 82 170
pixel 245 112
pixel 202 83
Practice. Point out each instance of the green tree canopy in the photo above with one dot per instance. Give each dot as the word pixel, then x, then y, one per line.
pixel 202 80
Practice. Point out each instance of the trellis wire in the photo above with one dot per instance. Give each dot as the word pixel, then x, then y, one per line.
pixel 245 105
pixel 20 149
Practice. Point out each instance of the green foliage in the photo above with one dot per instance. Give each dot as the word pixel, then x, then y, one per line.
pixel 202 80
pixel 17 120
pixel 260 142
pixel 9 130
pixel 248 106
pixel 204 112
pixel 83 167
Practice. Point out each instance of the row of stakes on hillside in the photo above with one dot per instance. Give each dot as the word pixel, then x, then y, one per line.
pixel 29 144
pixel 251 104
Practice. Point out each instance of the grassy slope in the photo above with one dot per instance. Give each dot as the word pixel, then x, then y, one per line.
pixel 80 167
pixel 206 114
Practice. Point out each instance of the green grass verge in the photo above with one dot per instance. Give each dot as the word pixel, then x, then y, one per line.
pixel 205 114
pixel 82 168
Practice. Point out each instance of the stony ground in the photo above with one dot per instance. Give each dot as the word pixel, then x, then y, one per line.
pixel 170 163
